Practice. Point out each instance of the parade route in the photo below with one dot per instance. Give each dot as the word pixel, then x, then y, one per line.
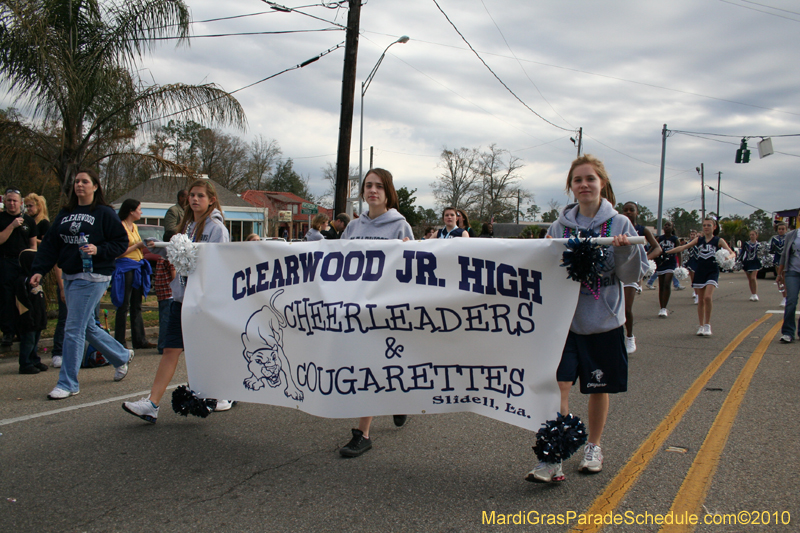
pixel 707 429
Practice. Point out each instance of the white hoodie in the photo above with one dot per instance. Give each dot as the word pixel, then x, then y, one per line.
pixel 390 225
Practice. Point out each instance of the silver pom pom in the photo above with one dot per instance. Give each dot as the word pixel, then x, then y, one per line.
pixel 724 260
pixel 681 273
pixel 182 253
pixel 651 267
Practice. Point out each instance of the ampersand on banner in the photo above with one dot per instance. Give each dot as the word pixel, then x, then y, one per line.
pixel 391 351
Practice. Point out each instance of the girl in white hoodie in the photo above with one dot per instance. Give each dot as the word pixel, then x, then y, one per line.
pixel 595 347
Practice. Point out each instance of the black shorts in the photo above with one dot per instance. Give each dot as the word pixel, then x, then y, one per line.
pixel 174 335
pixel 600 360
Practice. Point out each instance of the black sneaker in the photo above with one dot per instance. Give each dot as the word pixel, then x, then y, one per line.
pixel 357 445
pixel 29 370
pixel 41 366
pixel 8 340
pixel 400 420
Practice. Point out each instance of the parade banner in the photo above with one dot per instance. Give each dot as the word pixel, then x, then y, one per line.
pixel 354 328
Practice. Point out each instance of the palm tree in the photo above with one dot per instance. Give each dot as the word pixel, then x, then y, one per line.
pixel 73 64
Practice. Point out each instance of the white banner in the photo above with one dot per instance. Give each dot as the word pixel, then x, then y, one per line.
pixel 355 328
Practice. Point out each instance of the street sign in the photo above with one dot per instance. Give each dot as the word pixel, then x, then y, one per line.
pixel 309 209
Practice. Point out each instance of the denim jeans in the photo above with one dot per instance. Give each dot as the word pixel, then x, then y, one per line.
pixel 82 299
pixel 790 324
pixel 58 336
pixel 28 341
pixel 163 321
pixel 9 272
pixel 132 300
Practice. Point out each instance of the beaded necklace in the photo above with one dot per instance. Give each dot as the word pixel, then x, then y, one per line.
pixel 605 231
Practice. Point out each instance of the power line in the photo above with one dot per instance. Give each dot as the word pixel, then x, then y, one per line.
pixel 494 74
pixel 734 198
pixel 300 65
pixel 244 33
pixel 520 63
pixel 760 10
pixel 734 136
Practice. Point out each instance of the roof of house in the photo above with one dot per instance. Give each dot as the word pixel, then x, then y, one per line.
pixel 164 190
pixel 272 199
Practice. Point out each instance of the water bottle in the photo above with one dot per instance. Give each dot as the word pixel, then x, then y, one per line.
pixel 85 257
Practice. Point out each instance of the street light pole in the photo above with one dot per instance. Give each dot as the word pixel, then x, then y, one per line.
pixel 701 171
pixel 364 86
pixel 719 178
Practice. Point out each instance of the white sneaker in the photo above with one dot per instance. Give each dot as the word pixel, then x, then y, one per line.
pixel 59 394
pixel 122 371
pixel 707 330
pixel 57 359
pixel 754 297
pixel 701 331
pixel 592 461
pixel 630 344
pixel 663 313
pixel 694 296
pixel 680 287
pixel 649 287
pixel 546 472
pixel 143 408
pixel 783 304
pixel 223 405
pixel 786 339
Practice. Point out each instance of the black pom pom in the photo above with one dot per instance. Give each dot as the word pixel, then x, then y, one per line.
pixel 584 260
pixel 185 402
pixel 558 439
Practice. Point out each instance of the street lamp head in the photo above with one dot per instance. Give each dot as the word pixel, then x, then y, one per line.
pixel 403 40
pixel 697 169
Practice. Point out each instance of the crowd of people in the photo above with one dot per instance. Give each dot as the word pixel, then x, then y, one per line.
pixel 89 246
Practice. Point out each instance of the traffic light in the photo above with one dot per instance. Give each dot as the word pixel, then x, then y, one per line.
pixel 742 154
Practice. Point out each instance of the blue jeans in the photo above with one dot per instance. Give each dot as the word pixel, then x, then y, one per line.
pixel 82 299
pixel 792 280
pixel 163 322
pixel 28 341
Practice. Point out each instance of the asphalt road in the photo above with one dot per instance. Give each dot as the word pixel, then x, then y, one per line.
pixel 692 432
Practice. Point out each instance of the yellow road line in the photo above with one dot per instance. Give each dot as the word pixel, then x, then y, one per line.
pixel 616 490
pixel 694 488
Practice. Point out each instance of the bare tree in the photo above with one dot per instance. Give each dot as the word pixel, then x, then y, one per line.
pixel 262 156
pixel 459 185
pixel 501 192
pixel 329 178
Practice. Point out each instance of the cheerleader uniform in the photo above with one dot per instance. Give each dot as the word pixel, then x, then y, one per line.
pixel 776 247
pixel 667 263
pixel 707 269
pixel 691 255
pixel 748 256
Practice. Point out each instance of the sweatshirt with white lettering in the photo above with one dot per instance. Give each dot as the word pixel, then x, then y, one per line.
pixel 624 264
pixel 390 225
pixel 59 245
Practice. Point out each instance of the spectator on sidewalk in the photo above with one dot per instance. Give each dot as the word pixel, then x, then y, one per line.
pixel 337 226
pixel 32 310
pixel 174 215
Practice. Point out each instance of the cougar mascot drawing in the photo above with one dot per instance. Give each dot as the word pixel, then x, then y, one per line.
pixel 263 351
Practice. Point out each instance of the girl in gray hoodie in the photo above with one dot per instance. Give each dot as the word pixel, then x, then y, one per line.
pixel 202 222
pixel 595 347
pixel 382 222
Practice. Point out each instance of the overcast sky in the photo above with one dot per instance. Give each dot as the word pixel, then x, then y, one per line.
pixel 618 69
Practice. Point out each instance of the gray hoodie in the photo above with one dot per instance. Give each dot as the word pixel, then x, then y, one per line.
pixel 626 265
pixel 213 231
pixel 390 225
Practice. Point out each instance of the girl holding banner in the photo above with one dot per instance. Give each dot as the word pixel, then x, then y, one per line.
pixel 203 222
pixel 382 222
pixel 595 347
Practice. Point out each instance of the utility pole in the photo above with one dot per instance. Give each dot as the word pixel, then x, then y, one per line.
pixel 701 171
pixel 719 178
pixel 348 98
pixel 661 183
pixel 580 140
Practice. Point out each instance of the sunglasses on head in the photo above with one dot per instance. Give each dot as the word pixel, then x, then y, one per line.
pixel 15 191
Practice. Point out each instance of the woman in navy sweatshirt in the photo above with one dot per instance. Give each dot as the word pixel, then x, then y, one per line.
pixel 87 213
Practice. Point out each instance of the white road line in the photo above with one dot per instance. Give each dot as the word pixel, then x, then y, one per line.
pixel 81 406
